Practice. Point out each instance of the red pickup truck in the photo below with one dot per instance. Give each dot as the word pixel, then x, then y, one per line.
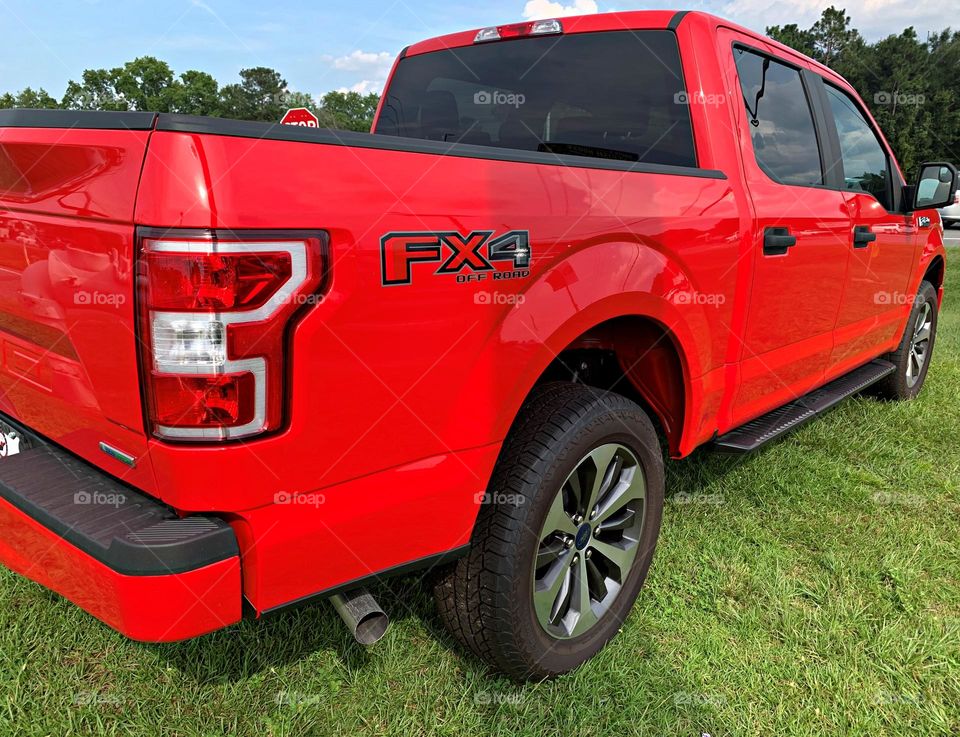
pixel 243 362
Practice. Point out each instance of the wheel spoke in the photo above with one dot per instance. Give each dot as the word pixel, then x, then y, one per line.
pixel 598 586
pixel 586 617
pixel 923 334
pixel 549 552
pixel 552 592
pixel 916 364
pixel 557 520
pixel 608 464
pixel 575 484
pixel 628 490
pixel 621 557
pixel 611 522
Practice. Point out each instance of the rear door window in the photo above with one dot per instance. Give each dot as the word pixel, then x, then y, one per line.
pixel 616 95
pixel 866 167
pixel 781 121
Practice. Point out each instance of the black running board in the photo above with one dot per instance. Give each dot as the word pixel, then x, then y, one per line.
pixel 779 422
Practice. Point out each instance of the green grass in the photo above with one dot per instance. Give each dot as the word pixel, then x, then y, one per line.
pixel 813 589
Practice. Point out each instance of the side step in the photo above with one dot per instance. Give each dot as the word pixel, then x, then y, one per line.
pixel 782 420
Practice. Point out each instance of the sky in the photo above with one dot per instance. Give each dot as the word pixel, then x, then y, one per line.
pixel 330 44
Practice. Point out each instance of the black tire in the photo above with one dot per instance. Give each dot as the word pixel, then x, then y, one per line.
pixel 900 386
pixel 486 598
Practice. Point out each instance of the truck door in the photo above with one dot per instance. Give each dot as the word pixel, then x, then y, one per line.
pixel 883 243
pixel 801 237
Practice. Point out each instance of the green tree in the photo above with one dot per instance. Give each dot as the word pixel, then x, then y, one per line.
pixel 146 83
pixel 197 93
pixel 96 91
pixel 29 98
pixel 832 34
pixel 260 95
pixel 348 110
pixel 795 37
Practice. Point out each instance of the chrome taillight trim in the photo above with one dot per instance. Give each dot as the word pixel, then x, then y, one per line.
pixel 297 251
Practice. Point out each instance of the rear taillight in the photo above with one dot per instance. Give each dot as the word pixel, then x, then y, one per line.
pixel 214 308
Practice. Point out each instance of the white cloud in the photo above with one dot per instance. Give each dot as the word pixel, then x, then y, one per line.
pixel 365 87
pixel 372 68
pixel 364 61
pixel 545 9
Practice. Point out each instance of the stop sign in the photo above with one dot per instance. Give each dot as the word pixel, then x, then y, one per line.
pixel 302 117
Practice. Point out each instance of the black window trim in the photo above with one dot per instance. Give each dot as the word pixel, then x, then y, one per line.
pixel 827 153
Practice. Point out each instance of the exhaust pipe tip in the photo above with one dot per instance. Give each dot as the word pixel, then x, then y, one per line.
pixel 362 614
pixel 371 628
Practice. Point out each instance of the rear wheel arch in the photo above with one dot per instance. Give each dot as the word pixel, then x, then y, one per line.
pixel 635 356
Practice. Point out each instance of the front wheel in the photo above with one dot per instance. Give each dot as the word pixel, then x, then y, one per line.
pixel 559 555
pixel 913 355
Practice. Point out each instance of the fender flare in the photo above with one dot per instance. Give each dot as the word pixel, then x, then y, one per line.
pixel 591 286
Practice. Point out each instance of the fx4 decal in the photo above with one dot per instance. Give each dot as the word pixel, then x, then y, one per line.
pixel 470 257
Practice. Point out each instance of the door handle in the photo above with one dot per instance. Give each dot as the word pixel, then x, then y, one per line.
pixel 776 241
pixel 863 236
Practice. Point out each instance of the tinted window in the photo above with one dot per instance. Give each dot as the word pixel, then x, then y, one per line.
pixel 865 167
pixel 781 122
pixel 608 95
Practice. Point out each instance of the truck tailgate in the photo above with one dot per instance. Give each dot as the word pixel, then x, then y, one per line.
pixel 68 347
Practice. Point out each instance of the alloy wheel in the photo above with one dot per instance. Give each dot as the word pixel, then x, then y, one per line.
pixel 589 541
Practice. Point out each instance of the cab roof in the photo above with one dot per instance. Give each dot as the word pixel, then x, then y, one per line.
pixel 621 21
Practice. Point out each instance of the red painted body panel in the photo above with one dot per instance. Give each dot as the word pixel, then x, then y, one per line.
pixel 399 398
pixel 391 353
pixel 146 608
pixel 67 343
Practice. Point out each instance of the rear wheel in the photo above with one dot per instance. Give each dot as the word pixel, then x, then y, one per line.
pixel 912 357
pixel 561 552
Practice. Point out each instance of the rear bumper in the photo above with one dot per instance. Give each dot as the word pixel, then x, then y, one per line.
pixel 118 554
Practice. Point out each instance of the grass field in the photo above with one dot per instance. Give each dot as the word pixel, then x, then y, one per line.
pixel 813 589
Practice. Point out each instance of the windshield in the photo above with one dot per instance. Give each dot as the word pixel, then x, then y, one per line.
pixel 616 95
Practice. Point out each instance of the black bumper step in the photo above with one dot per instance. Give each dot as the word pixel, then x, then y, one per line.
pixel 124 529
pixel 779 422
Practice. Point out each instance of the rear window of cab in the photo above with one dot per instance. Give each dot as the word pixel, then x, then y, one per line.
pixel 614 95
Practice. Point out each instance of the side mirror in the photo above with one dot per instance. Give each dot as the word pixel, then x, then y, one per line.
pixel 936 187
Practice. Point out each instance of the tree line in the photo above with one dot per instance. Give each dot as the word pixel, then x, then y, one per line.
pixel 147 83
pixel 911 86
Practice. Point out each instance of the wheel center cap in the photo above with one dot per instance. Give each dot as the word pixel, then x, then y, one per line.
pixel 583 536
